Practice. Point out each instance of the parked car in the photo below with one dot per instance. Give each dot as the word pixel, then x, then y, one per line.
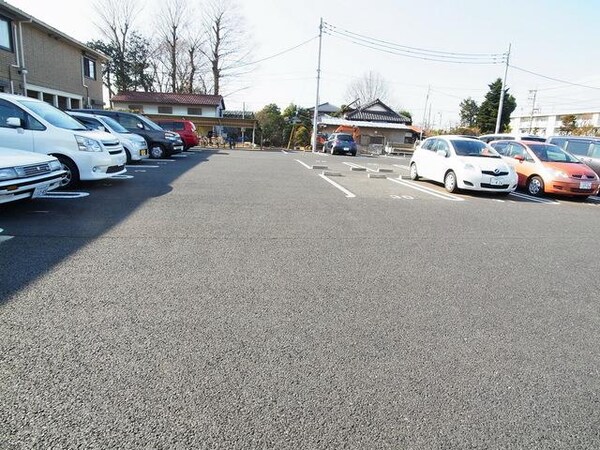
pixel 462 163
pixel 184 128
pixel 586 149
pixel 134 145
pixel 32 125
pixel 513 137
pixel 27 174
pixel 547 168
pixel 340 143
pixel 161 143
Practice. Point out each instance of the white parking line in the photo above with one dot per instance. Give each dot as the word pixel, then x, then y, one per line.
pixel 412 185
pixel 305 165
pixel 122 177
pixel 141 171
pixel 401 166
pixel 341 188
pixel 284 152
pixel 359 166
pixel 535 199
pixel 65 195
pixel 165 159
pixel 139 166
pixel 179 155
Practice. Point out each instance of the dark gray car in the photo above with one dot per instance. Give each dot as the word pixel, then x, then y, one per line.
pixel 340 143
pixel 585 148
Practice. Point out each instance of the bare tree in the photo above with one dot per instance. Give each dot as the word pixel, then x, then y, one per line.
pixel 171 25
pixel 368 88
pixel 115 22
pixel 226 45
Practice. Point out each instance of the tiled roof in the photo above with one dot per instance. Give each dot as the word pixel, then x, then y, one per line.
pixel 169 98
pixel 388 115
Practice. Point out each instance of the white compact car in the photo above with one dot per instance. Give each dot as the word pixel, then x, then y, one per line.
pixel 32 125
pixel 135 145
pixel 462 163
pixel 27 174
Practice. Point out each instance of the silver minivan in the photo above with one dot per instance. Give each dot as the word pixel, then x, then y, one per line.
pixel 585 148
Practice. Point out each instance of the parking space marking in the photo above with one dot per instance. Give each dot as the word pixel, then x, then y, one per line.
pixel 401 166
pixel 359 166
pixel 305 165
pixel 170 160
pixel 402 197
pixel 65 195
pixel 179 156
pixel 135 166
pixel 535 199
pixel 341 188
pixel 122 177
pixel 142 171
pixel 284 152
pixel 425 190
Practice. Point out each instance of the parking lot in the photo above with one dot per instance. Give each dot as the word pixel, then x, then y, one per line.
pixel 244 299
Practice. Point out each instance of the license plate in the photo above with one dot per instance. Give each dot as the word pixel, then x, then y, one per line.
pixel 585 185
pixel 40 191
pixel 346 149
pixel 143 152
pixel 497 181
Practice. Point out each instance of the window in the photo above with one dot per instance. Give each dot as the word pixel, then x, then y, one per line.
pixel 178 126
pixel 578 147
pixel 129 122
pixel 9 110
pixel 165 110
pixel 89 68
pixel 195 111
pixel 5 34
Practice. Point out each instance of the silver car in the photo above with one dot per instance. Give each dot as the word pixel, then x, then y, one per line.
pixel 584 148
pixel 135 145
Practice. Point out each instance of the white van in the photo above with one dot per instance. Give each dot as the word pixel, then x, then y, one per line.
pixel 32 125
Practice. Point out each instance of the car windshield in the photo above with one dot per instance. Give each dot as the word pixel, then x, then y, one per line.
pixel 344 137
pixel 552 153
pixel 149 124
pixel 53 115
pixel 114 125
pixel 470 147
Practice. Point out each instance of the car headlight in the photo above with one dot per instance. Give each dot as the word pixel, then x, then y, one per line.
pixel 88 145
pixel 55 165
pixel 171 136
pixel 560 174
pixel 8 174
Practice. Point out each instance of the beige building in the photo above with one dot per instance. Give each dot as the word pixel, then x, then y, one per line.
pixel 40 61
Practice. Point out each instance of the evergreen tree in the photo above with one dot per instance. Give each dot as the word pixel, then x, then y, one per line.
pixel 468 112
pixel 488 111
pixel 271 125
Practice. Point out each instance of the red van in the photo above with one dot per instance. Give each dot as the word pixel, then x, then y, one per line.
pixel 185 128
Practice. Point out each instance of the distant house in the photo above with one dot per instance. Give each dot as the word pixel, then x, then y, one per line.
pixel 378 126
pixel 169 105
pixel 40 61
pixel 324 109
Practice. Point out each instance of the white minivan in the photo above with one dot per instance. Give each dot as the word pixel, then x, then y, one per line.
pixel 32 125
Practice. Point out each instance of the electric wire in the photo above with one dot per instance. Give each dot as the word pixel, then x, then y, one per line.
pixel 554 79
pixel 277 54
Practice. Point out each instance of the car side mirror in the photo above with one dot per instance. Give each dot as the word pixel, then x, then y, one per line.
pixel 15 122
pixel 140 125
pixel 520 158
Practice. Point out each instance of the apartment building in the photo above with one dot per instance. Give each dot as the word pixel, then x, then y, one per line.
pixel 550 124
pixel 42 62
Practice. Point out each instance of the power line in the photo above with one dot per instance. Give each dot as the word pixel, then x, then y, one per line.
pixel 414 52
pixel 554 79
pixel 276 54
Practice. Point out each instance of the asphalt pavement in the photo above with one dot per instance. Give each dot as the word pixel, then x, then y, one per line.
pixel 243 299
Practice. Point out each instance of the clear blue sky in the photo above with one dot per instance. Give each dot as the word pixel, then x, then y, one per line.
pixel 554 38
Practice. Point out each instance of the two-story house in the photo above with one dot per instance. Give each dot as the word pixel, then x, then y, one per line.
pixel 40 61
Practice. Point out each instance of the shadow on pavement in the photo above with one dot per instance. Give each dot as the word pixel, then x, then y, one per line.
pixel 37 235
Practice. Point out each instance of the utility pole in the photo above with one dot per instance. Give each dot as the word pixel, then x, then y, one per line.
pixel 316 114
pixel 424 113
pixel 501 104
pixel 532 109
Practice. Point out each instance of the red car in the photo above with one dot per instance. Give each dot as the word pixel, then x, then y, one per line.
pixel 185 128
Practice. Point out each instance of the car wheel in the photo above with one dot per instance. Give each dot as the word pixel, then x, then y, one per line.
pixel 157 151
pixel 535 186
pixel 71 178
pixel 129 160
pixel 450 182
pixel 353 153
pixel 414 175
pixel 332 151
